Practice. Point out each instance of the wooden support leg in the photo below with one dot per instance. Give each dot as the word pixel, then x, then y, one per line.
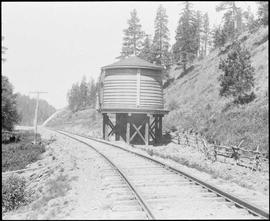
pixel 117 125
pixel 128 129
pixel 160 126
pixel 147 130
pixel 104 126
pixel 156 130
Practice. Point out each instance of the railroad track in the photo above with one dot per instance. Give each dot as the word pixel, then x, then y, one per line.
pixel 163 192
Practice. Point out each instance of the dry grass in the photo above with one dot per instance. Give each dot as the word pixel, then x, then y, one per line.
pixel 182 155
pixel 16 156
pixel 54 188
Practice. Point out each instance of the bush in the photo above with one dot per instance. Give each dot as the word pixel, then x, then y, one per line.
pixel 150 152
pixel 172 105
pixel 13 193
pixel 237 79
pixel 245 98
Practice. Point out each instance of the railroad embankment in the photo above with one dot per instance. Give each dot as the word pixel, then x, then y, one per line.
pixel 18 152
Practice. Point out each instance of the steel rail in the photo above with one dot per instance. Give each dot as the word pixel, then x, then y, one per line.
pixel 138 196
pixel 228 197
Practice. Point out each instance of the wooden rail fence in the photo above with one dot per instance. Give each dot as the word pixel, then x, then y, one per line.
pixel 254 160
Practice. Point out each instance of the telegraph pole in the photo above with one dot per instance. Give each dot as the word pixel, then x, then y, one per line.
pixel 36 112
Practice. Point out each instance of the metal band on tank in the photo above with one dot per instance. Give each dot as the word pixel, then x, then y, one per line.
pixel 138 87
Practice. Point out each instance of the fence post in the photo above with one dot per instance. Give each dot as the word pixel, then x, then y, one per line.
pixel 235 154
pixel 257 158
pixel 205 148
pixel 215 153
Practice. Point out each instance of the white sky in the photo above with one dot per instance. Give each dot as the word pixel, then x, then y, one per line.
pixel 51 45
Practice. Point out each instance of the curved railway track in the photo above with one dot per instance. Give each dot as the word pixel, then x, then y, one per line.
pixel 164 192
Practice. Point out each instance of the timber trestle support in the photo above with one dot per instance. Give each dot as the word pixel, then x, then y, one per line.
pixel 133 128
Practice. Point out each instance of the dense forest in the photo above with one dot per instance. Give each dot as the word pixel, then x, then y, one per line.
pixel 82 95
pixel 26 110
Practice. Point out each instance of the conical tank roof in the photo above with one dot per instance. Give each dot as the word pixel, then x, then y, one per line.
pixel 133 62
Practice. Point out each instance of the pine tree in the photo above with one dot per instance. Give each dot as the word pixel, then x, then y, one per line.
pixel 133 39
pixel 146 52
pixel 74 97
pixel 198 31
pixel 219 37
pixel 185 47
pixel 228 28
pixel 206 32
pixel 250 22
pixel 263 12
pixel 232 19
pixel 239 21
pixel 160 46
pixel 237 80
pixel 92 89
pixel 83 93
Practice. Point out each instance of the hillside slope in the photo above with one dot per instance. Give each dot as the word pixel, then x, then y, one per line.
pixel 87 122
pixel 200 86
pixel 194 100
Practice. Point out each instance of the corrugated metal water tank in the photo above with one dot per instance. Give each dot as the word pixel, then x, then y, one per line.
pixel 131 83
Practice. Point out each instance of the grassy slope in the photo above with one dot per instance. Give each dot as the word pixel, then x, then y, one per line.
pixel 195 104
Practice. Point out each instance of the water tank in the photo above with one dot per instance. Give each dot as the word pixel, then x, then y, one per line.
pixel 131 85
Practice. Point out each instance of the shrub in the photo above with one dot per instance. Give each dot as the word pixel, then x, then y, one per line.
pixel 172 105
pixel 244 99
pixel 13 193
pixel 237 79
pixel 150 152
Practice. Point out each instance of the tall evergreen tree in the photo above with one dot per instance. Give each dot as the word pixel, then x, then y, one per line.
pixel 198 31
pixel 185 47
pixel 237 79
pixel 133 39
pixel 228 28
pixel 231 19
pixel 263 12
pixel 206 31
pixel 160 46
pixel 250 22
pixel 83 93
pixel 218 37
pixel 92 89
pixel 146 52
pixel 73 97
